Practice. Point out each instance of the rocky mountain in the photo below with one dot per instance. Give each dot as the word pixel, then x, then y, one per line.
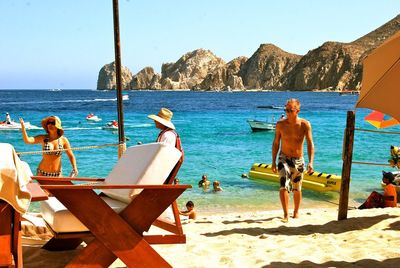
pixel 107 77
pixel 190 70
pixel 266 67
pixel 332 66
pixel 337 66
pixel 146 78
pixel 225 77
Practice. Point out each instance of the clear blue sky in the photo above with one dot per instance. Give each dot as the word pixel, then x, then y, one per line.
pixel 64 43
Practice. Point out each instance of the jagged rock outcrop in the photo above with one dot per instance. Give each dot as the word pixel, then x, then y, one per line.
pixel 146 79
pixel 331 66
pixel 107 77
pixel 190 70
pixel 225 77
pixel 266 67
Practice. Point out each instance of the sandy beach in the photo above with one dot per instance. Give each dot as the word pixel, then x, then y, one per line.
pixel 368 238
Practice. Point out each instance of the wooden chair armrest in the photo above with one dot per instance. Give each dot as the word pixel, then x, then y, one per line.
pixel 114 186
pixel 44 178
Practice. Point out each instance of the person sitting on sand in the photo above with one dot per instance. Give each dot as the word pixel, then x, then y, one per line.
pixel 217 187
pixel 190 212
pixel 389 197
pixel 204 182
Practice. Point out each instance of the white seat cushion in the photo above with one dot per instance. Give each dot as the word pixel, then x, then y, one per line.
pixel 142 164
pixel 61 220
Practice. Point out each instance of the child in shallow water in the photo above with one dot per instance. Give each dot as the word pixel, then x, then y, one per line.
pixel 217 187
pixel 190 212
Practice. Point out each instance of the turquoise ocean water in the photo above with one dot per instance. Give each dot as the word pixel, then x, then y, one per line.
pixel 215 135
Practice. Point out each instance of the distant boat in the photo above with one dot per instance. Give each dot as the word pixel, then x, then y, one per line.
pixel 125 97
pixel 349 93
pixel 16 126
pixel 257 125
pixel 276 107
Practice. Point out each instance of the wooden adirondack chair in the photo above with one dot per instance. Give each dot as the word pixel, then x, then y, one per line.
pixel 133 197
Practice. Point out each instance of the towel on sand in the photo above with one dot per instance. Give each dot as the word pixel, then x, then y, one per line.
pixel 14 177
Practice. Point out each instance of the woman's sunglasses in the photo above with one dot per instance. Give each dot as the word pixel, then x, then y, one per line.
pixel 51 123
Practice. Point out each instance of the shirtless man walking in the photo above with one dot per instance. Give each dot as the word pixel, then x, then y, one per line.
pixel 289 140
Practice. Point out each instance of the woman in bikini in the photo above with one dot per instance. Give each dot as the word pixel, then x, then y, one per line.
pixel 53 144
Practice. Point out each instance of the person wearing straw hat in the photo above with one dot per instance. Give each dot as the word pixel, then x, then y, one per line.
pixel 168 134
pixel 53 144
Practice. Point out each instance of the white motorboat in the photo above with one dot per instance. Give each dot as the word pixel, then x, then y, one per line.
pixel 125 97
pixel 16 126
pixel 257 125
pixel 92 117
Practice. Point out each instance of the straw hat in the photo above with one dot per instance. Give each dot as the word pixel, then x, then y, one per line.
pixel 164 117
pixel 57 125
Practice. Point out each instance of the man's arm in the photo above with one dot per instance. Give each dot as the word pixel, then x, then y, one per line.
pixel 310 148
pixel 275 146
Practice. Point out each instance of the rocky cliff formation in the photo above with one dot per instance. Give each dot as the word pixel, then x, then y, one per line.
pixel 267 66
pixel 146 79
pixel 332 66
pixel 107 77
pixel 225 77
pixel 337 65
pixel 190 70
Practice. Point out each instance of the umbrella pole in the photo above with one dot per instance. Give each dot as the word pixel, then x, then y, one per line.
pixel 347 157
pixel 117 48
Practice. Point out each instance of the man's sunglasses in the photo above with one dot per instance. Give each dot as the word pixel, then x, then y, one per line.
pixel 291 110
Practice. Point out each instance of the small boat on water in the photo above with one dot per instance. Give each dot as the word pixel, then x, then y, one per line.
pixel 275 107
pixel 112 125
pixel 92 117
pixel 125 97
pixel 349 93
pixel 257 125
pixel 316 181
pixel 15 126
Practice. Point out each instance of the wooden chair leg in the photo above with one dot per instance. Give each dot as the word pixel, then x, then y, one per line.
pixel 17 239
pixel 6 216
pixel 114 236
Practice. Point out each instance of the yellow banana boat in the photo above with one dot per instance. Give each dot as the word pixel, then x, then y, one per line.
pixel 316 181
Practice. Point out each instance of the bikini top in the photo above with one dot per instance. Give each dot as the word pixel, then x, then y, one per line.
pixel 47 147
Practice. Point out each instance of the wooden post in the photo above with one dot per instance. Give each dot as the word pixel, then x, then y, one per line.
pixel 117 47
pixel 347 157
